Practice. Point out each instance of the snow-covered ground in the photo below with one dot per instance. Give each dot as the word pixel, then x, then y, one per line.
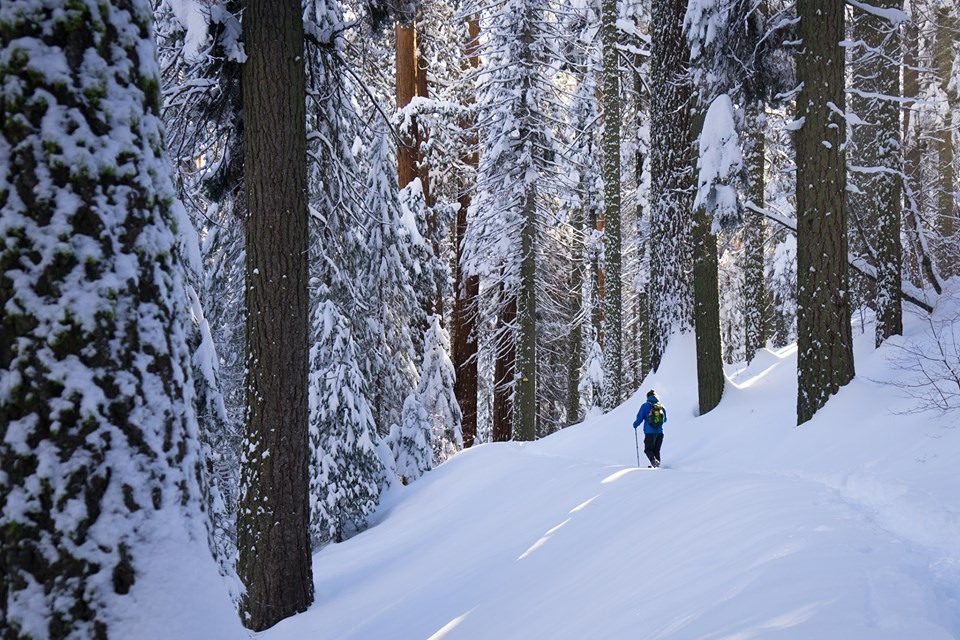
pixel 847 527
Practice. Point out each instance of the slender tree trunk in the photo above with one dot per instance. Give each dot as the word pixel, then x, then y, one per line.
pixel 504 373
pixel 467 288
pixel 612 299
pixel 877 160
pixel 888 194
pixel 640 304
pixel 272 529
pixel 525 386
pixel 824 342
pixel 406 85
pixel 754 232
pixel 912 157
pixel 575 315
pixel 945 50
pixel 671 172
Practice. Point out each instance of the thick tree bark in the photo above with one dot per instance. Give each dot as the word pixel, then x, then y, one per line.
pixel 97 435
pixel 467 287
pixel 824 342
pixel 612 298
pixel 671 178
pixel 272 529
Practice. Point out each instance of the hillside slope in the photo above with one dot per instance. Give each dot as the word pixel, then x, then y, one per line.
pixel 847 527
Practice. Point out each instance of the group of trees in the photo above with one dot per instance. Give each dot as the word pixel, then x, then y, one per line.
pixel 421 226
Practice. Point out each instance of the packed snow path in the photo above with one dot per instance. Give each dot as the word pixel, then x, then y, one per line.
pixel 845 528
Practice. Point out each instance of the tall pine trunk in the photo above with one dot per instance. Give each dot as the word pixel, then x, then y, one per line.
pixel 671 178
pixel 824 340
pixel 525 385
pixel 273 519
pixel 754 232
pixel 612 298
pixel 406 87
pixel 467 288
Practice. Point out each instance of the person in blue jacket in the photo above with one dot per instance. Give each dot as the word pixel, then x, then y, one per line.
pixel 652 415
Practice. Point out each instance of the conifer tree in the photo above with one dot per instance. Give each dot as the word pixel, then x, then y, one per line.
pixel 503 237
pixel 876 158
pixel 100 453
pixel 435 393
pixel 671 173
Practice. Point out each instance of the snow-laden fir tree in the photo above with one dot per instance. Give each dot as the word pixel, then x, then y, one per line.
pixel 502 242
pixel 198 48
pixel 347 456
pixel 349 464
pixel 435 393
pixel 393 244
pixel 100 452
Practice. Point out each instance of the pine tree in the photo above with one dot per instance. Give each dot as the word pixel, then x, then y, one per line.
pixel 824 341
pixel 435 393
pixel 99 450
pixel 503 238
pixel 388 277
pixel 410 441
pixel 274 551
pixel 347 470
pixel 349 462
pixel 671 171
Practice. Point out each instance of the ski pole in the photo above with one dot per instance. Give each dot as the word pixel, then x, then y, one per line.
pixel 637 438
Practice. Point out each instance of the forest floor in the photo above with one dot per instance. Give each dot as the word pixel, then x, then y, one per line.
pixel 847 527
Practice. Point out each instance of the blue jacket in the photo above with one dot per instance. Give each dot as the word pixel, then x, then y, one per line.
pixel 644 412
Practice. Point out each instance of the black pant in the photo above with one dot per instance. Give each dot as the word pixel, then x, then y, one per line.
pixel 651 447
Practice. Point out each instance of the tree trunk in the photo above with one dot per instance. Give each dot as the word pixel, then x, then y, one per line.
pixel 671 178
pixel 575 315
pixel 754 232
pixel 944 53
pixel 467 287
pixel 612 299
pixel 525 386
pixel 824 342
pixel 406 69
pixel 272 529
pixel 888 194
pixel 912 157
pixel 706 301
pixel 504 373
